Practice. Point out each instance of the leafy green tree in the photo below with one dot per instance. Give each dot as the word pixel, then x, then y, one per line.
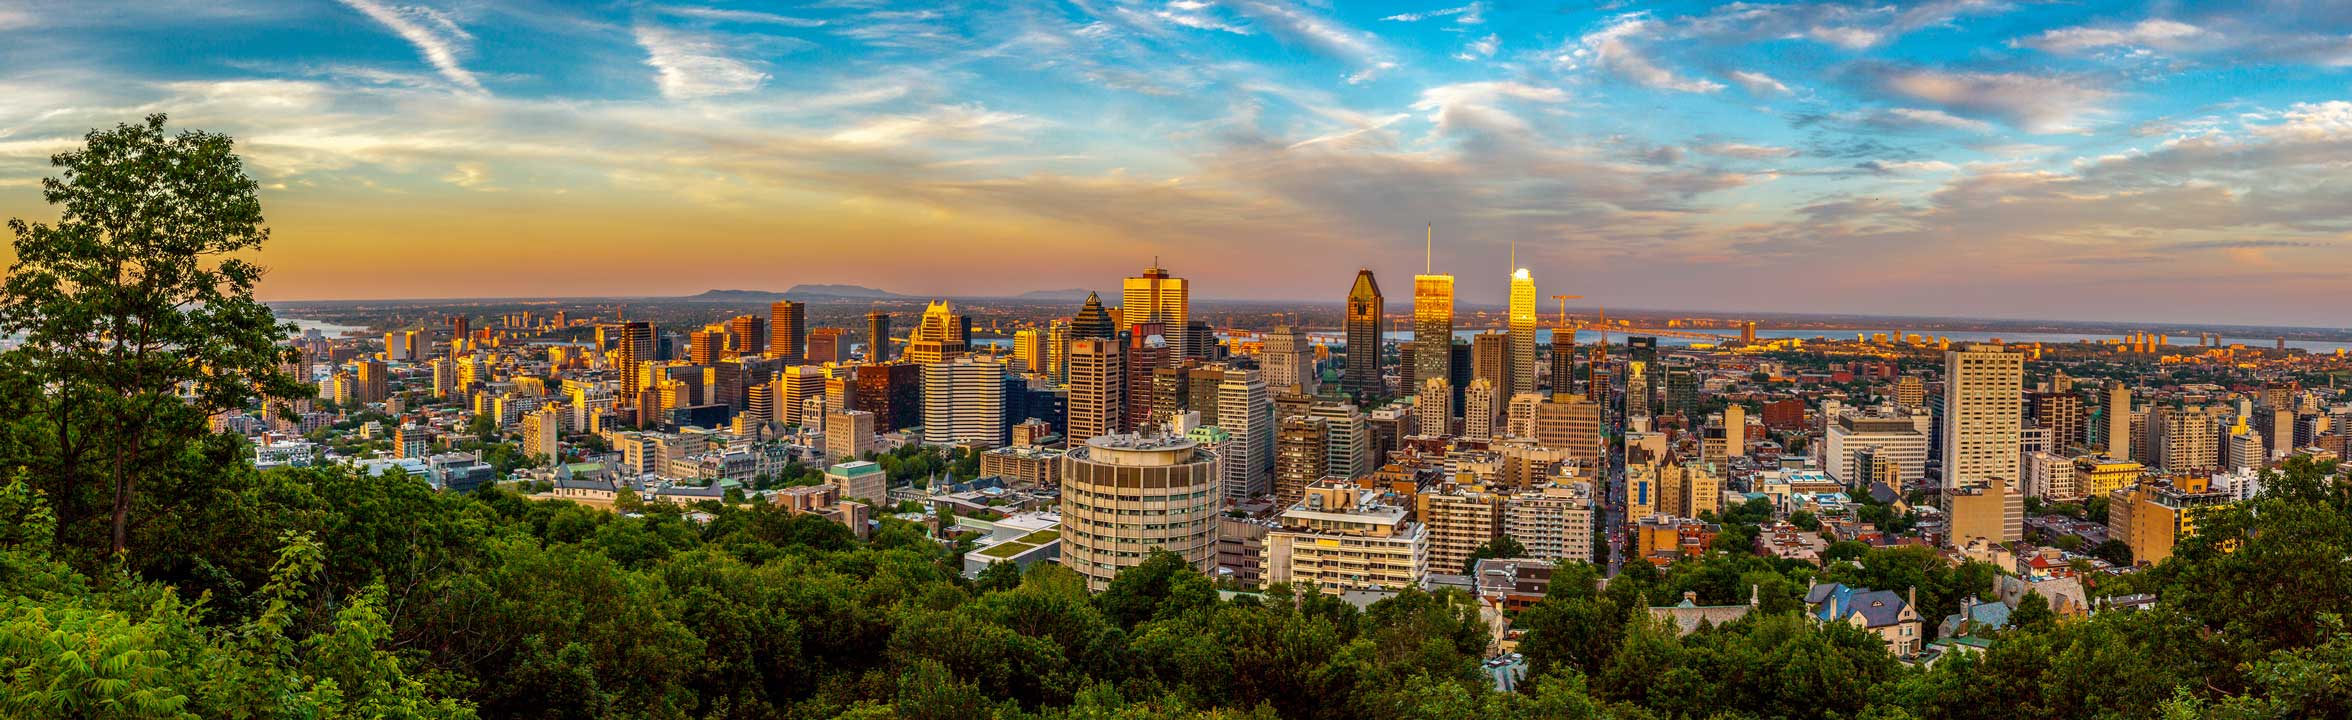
pixel 1503 546
pixel 138 321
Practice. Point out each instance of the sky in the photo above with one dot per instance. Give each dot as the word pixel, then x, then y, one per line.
pixel 2077 160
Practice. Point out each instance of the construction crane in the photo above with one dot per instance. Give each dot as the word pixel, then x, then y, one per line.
pixel 1564 306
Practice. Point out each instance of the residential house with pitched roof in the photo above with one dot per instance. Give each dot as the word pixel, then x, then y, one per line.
pixel 1890 616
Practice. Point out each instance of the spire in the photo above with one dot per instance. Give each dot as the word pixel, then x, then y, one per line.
pixel 1428 249
pixel 1514 258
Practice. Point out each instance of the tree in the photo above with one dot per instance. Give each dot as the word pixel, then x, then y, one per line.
pixel 2032 613
pixel 1503 546
pixel 138 321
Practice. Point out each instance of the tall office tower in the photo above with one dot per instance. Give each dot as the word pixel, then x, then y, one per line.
pixel 1490 360
pixel 1301 457
pixel 1479 410
pixel 1362 378
pixel 964 402
pixel 878 337
pixel 1563 362
pixel 849 435
pixel 444 377
pixel 2062 412
pixel 1202 384
pixel 1097 388
pixel 1434 406
pixel 1910 392
pixel 460 328
pixel 375 381
pixel 1596 373
pixel 1171 394
pixel 1147 351
pixel 1405 380
pixel 1289 362
pixel 893 392
pixel 1057 351
pixel 1200 340
pixel 750 334
pixel 1637 395
pixel 1521 324
pixel 1461 365
pixel 1348 436
pixel 788 331
pixel 1029 355
pixel 1247 411
pixel 1433 328
pixel 1682 390
pixel 1644 350
pixel 793 387
pixel 707 345
pixel 1125 495
pixel 827 345
pixel 633 347
pixel 1092 321
pixel 2185 440
pixel 1983 409
pixel 939 337
pixel 2116 440
pixel 1157 297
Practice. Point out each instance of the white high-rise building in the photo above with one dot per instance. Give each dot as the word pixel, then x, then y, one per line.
pixel 1984 407
pixel 1521 326
pixel 1247 411
pixel 1289 361
pixel 1348 439
pixel 963 402
pixel 1435 406
pixel 1478 410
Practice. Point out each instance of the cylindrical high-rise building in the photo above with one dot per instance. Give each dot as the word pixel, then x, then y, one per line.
pixel 1124 496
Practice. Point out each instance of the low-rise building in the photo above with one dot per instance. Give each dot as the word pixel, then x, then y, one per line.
pixel 1341 537
pixel 1884 613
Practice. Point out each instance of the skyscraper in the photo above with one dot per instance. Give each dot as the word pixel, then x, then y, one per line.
pixel 1147 351
pixel 826 345
pixel 1093 321
pixel 1029 355
pixel 1983 408
pixel 1433 327
pixel 1289 362
pixel 2117 436
pixel 707 345
pixel 1057 351
pixel 749 333
pixel 877 337
pixel 1479 410
pixel 964 402
pixel 788 330
pixel 1097 388
pixel 1362 379
pixel 1156 296
pixel 939 337
pixel 1521 325
pixel 1434 405
pixel 1245 410
pixel 633 348
pixel 1491 360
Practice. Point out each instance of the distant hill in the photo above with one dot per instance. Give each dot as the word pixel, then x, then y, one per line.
pixel 798 292
pixel 736 296
pixel 1072 294
pixel 839 291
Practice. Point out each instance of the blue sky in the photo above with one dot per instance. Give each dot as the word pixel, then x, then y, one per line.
pixel 2076 160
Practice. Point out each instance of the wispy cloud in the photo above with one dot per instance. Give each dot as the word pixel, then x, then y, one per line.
pixel 2153 32
pixel 1614 48
pixel 2038 104
pixel 738 16
pixel 1471 14
pixel 1758 83
pixel 1481 49
pixel 433 33
pixel 688 66
pixel 1322 34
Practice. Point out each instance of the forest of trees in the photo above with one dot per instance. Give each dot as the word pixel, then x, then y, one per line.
pixel 148 571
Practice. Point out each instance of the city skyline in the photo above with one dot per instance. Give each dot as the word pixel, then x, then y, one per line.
pixel 1953 159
